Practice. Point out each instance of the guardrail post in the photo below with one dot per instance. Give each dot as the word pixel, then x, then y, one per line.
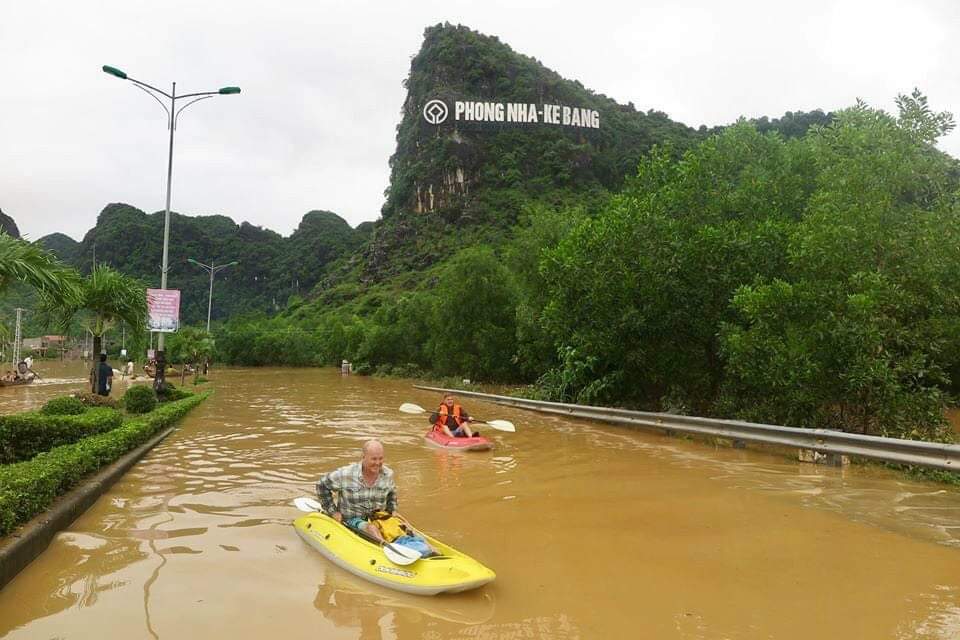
pixel 828 459
pixel 837 460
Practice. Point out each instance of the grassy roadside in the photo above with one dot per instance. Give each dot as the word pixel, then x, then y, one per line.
pixel 28 488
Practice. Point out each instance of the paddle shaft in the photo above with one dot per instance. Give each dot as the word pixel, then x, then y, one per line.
pixel 500 425
pixel 472 420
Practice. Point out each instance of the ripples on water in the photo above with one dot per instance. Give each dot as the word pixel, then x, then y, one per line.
pixel 208 513
pixel 864 493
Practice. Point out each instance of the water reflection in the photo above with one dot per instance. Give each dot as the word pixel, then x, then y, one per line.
pixel 87 566
pixel 155 574
pixel 354 603
pixel 559 627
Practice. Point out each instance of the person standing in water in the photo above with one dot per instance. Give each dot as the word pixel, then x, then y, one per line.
pixel 104 376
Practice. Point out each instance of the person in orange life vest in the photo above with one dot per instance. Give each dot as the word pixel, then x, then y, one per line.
pixel 452 419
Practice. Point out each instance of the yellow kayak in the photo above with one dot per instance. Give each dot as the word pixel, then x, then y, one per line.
pixel 449 572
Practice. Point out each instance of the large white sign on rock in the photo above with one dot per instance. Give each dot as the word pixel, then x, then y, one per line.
pixel 437 112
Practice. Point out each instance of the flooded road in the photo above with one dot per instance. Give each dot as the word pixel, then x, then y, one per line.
pixel 594 532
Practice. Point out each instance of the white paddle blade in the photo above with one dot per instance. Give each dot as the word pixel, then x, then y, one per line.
pixel 307 505
pixel 407 407
pixel 502 425
pixel 399 554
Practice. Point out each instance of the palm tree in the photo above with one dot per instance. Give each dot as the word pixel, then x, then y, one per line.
pixel 22 261
pixel 192 346
pixel 108 297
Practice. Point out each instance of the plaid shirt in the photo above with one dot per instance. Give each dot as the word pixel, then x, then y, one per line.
pixel 356 499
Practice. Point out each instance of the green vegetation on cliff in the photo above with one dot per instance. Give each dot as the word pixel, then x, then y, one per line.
pixel 272 268
pixel 63 246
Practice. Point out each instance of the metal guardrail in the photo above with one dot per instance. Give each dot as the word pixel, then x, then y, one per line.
pixel 915 452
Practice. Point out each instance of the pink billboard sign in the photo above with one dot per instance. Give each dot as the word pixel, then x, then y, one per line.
pixel 163 308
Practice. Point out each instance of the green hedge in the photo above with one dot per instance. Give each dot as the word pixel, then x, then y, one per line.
pixel 24 435
pixel 65 406
pixel 27 488
pixel 140 398
pixel 171 393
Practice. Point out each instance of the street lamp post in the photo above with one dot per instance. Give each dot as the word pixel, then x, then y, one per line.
pixel 172 114
pixel 212 269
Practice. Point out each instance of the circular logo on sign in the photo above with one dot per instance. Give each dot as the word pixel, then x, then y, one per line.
pixel 435 111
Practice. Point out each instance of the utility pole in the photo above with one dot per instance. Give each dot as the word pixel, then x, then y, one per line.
pixel 16 339
pixel 172 115
pixel 212 269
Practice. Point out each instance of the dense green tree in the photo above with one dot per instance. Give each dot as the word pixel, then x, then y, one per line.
pixel 259 341
pixel 474 318
pixel 541 230
pixel 862 328
pixel 793 124
pixel 636 293
pixel 398 333
pixel 191 346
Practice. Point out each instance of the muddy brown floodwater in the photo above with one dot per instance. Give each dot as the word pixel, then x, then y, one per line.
pixel 594 531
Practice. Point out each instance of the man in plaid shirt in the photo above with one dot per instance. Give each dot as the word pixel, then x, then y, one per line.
pixel 362 488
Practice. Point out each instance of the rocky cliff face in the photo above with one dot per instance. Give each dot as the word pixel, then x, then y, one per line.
pixel 485 131
pixel 8 225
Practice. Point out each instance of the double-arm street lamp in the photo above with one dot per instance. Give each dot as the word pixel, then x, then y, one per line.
pixel 213 269
pixel 172 115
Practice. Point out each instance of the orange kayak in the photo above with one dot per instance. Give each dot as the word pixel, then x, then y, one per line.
pixel 476 443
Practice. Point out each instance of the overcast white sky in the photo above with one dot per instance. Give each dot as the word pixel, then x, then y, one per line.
pixel 315 124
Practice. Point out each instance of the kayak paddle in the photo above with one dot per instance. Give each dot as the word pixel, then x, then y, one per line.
pixel 500 425
pixel 307 505
pixel 396 553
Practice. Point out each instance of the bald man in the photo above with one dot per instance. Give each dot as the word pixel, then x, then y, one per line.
pixel 362 488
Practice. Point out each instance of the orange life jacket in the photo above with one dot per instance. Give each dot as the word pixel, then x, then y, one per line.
pixel 442 416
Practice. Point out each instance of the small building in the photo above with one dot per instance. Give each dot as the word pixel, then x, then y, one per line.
pixel 44 343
